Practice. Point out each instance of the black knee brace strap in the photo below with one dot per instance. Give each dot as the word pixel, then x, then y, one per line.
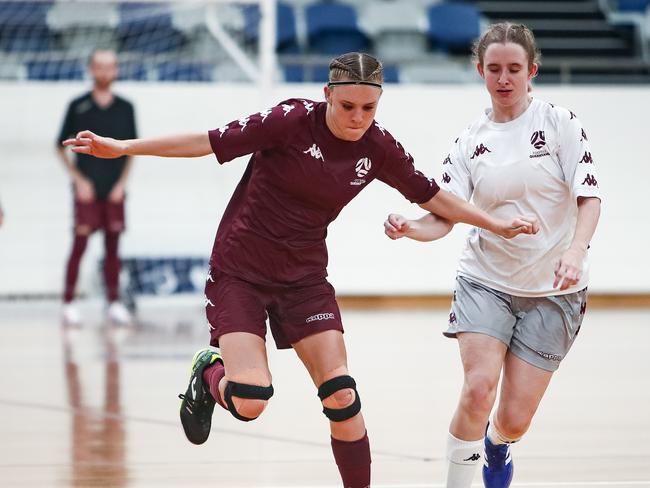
pixel 250 392
pixel 332 386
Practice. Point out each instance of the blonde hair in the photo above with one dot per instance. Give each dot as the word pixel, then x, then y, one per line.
pixel 504 32
pixel 356 67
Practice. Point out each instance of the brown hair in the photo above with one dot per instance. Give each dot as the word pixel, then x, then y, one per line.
pixel 504 32
pixel 356 67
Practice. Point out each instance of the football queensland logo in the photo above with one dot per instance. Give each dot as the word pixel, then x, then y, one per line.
pixel 537 139
pixel 362 167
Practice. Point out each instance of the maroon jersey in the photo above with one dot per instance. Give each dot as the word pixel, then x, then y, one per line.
pixel 298 179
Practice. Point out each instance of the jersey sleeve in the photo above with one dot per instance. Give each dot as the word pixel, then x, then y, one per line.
pixel 67 129
pixel 575 157
pixel 456 177
pixel 399 172
pixel 263 130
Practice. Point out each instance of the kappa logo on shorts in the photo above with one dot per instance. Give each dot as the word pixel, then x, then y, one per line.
pixel 320 316
pixel 452 318
pixel 551 357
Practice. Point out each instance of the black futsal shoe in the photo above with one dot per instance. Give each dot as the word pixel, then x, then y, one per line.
pixel 197 403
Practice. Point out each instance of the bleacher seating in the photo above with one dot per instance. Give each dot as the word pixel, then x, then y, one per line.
pixel 418 40
pixel 332 29
pixel 286 39
pixel 453 27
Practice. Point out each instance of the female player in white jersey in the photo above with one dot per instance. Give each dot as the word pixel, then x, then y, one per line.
pixel 518 304
pixel 309 159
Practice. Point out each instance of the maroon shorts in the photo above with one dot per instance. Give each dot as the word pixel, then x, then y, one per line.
pixel 100 214
pixel 294 312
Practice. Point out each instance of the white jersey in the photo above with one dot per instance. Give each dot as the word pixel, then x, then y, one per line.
pixel 537 164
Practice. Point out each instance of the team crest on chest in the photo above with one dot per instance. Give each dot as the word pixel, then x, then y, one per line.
pixel 361 168
pixel 538 141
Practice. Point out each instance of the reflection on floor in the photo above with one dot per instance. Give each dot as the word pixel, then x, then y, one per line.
pixel 96 405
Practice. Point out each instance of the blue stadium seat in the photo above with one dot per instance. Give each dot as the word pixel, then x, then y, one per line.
pixel 287 41
pixel 332 29
pixel 147 27
pixel 298 73
pixel 55 70
pixel 171 71
pixel 453 27
pixel 132 71
pixel 23 27
pixel 633 5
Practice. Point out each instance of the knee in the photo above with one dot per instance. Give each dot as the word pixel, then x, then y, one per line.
pixel 83 230
pixel 513 425
pixel 250 409
pixel 245 401
pixel 340 398
pixel 479 394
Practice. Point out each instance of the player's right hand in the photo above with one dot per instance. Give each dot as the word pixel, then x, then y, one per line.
pixel 90 143
pixel 396 226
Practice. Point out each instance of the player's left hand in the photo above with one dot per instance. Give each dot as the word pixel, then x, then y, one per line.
pixel 568 270
pixel 520 225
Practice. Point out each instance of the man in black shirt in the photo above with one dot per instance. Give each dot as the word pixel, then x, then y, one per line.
pixel 99 185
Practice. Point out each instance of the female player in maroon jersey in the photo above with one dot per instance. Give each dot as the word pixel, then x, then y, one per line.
pixel 309 159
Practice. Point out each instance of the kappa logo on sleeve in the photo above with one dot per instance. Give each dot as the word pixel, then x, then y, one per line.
pixel 590 180
pixel 309 106
pixel 243 122
pixel 381 129
pixel 287 108
pixel 265 113
pixel 586 158
pixel 222 130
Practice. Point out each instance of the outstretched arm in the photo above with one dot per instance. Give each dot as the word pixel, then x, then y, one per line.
pixel 179 146
pixel 568 270
pixel 455 209
pixel 429 227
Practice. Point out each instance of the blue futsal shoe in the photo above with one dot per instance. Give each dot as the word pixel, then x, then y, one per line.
pixel 497 467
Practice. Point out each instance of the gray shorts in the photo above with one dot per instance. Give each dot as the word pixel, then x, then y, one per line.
pixel 538 330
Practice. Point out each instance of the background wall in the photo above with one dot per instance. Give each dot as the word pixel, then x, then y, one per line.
pixel 174 205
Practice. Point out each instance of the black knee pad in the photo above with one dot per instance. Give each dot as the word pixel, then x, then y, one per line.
pixel 332 386
pixel 250 392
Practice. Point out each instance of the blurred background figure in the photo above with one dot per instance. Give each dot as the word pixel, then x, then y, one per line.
pixel 98 186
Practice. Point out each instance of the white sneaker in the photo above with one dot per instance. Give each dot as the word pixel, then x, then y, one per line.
pixel 119 313
pixel 71 314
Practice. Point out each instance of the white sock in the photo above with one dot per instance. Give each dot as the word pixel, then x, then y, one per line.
pixel 497 437
pixel 463 457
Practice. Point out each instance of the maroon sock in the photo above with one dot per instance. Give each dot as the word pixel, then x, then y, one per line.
pixel 72 270
pixel 111 265
pixel 212 376
pixel 353 460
